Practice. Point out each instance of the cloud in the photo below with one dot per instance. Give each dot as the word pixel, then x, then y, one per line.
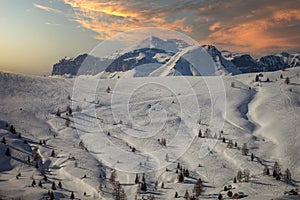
pixel 46 8
pixel 52 24
pixel 215 26
pixel 257 25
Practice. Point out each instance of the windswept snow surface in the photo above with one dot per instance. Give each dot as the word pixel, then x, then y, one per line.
pixel 265 117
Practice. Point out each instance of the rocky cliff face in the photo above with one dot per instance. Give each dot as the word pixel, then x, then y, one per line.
pixel 156 51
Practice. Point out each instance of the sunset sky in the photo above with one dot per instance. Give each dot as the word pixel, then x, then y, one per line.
pixel 36 34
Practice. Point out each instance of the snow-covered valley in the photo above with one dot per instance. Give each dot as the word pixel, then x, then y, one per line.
pixel 264 115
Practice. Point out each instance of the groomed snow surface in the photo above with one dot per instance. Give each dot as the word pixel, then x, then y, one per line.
pixel 265 117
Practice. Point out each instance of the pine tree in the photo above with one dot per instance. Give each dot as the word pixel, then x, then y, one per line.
pixel 245 149
pixel 198 187
pixel 113 176
pixel 178 165
pixel 167 157
pixel 59 184
pixel 266 171
pixel 281 76
pixel 53 186
pixel 12 129
pixel 256 78
pixel 176 195
pixel 67 123
pixel 252 157
pixel 180 177
pixel 276 169
pixel 136 179
pixel 33 183
pixel 239 176
pixel 51 195
pixel 229 194
pixel 3 140
pixel 234 180
pixel 220 196
pixel 72 195
pixel 186 195
pixel 288 175
pixel 246 175
pixel 58 112
pixel 7 152
pixel 162 185
pixel 108 89
pixel 235 144
pixel 287 80
pixel 143 178
pixel 200 133
pixel 53 153
pixel 144 186
pixel 155 185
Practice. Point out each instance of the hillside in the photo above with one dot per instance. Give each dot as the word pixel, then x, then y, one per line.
pixel 120 127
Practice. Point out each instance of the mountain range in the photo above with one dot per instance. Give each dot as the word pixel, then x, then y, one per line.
pixel 158 57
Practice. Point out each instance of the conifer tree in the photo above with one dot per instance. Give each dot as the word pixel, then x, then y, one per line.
pixel 3 140
pixel 51 195
pixel 198 187
pixel 72 195
pixel 245 149
pixel 252 156
pixel 180 177
pixel 288 175
pixel 33 183
pixel 186 195
pixel 7 152
pixel 176 195
pixel 136 179
pixel 53 187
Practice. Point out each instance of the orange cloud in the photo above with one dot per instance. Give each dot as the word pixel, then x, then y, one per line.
pixel 215 26
pixel 109 18
pixel 258 34
pixel 237 25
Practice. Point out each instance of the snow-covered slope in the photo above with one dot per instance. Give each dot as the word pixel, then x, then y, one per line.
pixel 264 117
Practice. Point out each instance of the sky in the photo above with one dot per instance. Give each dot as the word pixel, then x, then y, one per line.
pixel 36 34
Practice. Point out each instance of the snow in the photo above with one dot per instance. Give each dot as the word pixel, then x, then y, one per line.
pixel 265 117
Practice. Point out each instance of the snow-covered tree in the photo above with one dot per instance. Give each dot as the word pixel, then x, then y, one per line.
pixel 288 175
pixel 245 149
pixel 198 187
pixel 239 176
pixel 180 177
pixel 186 195
pixel 266 171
